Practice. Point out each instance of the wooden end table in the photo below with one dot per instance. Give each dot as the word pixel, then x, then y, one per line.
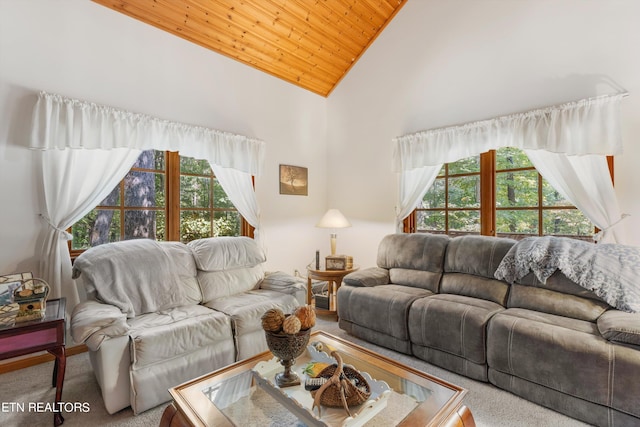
pixel 43 334
pixel 334 278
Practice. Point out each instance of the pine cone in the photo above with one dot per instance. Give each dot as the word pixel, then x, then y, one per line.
pixel 291 325
pixel 307 316
pixel 272 320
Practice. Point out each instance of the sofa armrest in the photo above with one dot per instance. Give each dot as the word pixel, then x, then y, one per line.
pixel 373 276
pixel 283 282
pixel 93 322
pixel 620 326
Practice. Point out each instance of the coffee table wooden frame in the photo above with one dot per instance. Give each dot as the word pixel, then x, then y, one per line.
pixel 190 406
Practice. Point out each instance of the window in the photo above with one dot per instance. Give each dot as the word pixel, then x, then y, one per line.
pixel 164 196
pixel 497 193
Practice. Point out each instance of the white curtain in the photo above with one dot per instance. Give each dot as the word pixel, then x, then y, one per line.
pixel 74 182
pixel 586 127
pixel 586 182
pixel 88 148
pixel 239 187
pixel 414 184
pixel 60 122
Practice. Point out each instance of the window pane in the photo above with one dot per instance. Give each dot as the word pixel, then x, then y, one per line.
pixel 195 225
pixel 226 223
pixel 97 227
pixel 550 197
pixel 517 188
pixel 517 221
pixel 511 158
pixel 220 198
pixel 566 222
pixel 464 192
pixel 194 166
pixel 430 221
pixel 434 197
pixel 195 192
pixel 442 170
pixel 144 189
pixel 150 159
pixel 468 165
pixel 113 199
pixel 143 224
pixel 468 221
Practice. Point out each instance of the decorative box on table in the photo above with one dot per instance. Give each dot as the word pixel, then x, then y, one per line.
pixel 338 262
pixel 31 297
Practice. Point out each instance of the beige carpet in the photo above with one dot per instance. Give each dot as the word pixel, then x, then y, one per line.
pixel 490 406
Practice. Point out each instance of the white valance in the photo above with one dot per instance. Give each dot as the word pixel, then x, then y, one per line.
pixel 588 126
pixel 60 122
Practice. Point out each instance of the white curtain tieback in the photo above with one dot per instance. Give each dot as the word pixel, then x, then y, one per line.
pixel 601 233
pixel 65 233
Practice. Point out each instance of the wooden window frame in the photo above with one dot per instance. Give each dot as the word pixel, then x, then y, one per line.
pixel 172 202
pixel 488 196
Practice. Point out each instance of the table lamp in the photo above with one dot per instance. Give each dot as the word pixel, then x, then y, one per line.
pixel 333 219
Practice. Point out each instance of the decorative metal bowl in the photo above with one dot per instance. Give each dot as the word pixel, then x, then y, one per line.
pixel 287 347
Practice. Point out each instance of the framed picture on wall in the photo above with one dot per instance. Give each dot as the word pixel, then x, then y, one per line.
pixel 294 180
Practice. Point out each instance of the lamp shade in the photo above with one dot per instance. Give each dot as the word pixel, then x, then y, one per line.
pixel 333 219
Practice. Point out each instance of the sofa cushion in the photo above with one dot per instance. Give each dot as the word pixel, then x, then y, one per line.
pixel 475 286
pixel 558 303
pixel 455 324
pixel 384 309
pixel 226 253
pixel 372 276
pixel 245 311
pixel 157 337
pixel 567 355
pixel 114 274
pixel 620 326
pixel 477 255
pixel 413 259
pixel 224 283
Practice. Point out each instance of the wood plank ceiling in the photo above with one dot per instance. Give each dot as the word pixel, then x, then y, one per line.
pixel 310 43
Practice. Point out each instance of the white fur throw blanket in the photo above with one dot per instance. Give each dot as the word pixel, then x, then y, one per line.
pixel 611 271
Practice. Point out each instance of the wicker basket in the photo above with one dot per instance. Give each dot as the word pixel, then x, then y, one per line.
pixel 346 387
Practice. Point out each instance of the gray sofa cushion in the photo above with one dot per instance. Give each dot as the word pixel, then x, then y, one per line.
pixel 475 286
pixel 561 304
pixel 413 259
pixel 620 326
pixel 454 324
pixel 567 355
pixel 477 255
pixel 373 276
pixel 384 309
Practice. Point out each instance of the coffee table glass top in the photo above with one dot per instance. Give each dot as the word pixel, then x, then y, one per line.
pixel 243 394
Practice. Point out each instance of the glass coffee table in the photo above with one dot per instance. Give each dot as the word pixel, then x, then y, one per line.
pixel 244 394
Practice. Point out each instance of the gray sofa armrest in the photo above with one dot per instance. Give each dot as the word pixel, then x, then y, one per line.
pixel 93 322
pixel 620 326
pixel 373 276
pixel 283 282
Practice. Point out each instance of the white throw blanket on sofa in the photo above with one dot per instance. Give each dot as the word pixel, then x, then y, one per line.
pixel 611 271
pixel 137 276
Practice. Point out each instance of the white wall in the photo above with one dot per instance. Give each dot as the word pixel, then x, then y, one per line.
pixel 442 63
pixel 83 50
pixel 438 63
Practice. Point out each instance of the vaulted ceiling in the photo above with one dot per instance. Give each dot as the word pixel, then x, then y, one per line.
pixel 310 43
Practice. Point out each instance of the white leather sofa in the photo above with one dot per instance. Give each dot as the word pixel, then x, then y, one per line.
pixel 158 314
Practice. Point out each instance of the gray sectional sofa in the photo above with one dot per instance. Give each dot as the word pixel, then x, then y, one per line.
pixel 157 314
pixel 554 343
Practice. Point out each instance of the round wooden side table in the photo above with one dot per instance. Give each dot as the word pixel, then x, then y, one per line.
pixel 334 279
